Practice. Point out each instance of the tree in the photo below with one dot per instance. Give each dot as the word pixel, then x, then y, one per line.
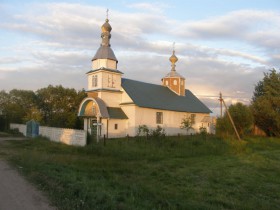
pixel 59 106
pixel 4 98
pixel 17 104
pixel 242 118
pixel 266 103
pixel 186 123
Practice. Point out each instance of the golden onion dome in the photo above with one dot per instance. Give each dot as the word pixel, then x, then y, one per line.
pixel 173 58
pixel 106 27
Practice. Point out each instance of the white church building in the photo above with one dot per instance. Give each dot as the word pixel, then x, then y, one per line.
pixel 117 106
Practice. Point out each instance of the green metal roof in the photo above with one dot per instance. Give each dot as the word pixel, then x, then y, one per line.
pixel 161 97
pixel 116 113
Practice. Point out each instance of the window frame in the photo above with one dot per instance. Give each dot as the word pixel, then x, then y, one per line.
pixel 159 117
pixel 94 81
pixel 193 117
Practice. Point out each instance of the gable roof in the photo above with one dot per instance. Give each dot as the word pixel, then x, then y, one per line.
pixel 161 97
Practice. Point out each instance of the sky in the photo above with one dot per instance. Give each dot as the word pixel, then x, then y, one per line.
pixel 222 46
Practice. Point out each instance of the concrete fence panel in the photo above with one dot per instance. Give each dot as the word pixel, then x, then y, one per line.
pixel 20 127
pixel 66 136
pixel 63 135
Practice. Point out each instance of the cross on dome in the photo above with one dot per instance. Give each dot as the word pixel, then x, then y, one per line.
pixel 173 59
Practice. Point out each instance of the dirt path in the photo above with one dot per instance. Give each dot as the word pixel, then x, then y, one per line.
pixel 15 192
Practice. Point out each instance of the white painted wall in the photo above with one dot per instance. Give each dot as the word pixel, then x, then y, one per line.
pixel 106 80
pixel 125 97
pixel 111 99
pixel 130 111
pixel 120 131
pixel 20 127
pixel 106 63
pixel 66 136
pixel 146 116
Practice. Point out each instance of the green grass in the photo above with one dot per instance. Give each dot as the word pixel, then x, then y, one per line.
pixel 170 173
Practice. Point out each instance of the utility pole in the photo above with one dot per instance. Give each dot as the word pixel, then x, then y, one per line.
pixel 222 101
pixel 221 105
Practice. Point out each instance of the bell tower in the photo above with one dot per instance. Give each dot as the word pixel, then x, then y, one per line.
pixel 173 80
pixel 104 75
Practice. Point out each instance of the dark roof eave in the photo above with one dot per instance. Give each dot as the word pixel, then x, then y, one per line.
pixel 105 69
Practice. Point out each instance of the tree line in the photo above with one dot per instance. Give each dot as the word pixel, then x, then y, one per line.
pixel 57 106
pixel 263 112
pixel 53 106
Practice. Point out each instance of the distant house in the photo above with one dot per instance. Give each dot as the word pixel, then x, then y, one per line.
pixel 117 106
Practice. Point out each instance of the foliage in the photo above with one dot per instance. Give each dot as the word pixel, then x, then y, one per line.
pixel 242 118
pixel 52 106
pixel 143 130
pixel 202 131
pixel 224 127
pixel 158 132
pixel 186 123
pixel 15 106
pixel 179 173
pixel 266 103
pixel 59 106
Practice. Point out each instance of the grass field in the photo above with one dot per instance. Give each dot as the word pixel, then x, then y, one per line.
pixel 170 173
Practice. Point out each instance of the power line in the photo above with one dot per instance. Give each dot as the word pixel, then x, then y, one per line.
pixel 228 96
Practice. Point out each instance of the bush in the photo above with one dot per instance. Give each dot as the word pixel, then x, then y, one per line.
pixel 15 132
pixel 158 132
pixel 143 130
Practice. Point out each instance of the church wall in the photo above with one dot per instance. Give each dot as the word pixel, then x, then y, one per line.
pixel 111 99
pixel 171 120
pixel 106 63
pixel 129 110
pixel 125 97
pixel 117 128
pixel 111 64
pixel 111 81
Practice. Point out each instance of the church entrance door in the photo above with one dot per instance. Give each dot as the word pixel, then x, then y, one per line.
pixel 93 126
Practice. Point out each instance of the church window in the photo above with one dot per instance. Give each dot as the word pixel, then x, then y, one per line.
pixel 166 82
pixel 94 81
pixel 193 118
pixel 116 126
pixel 159 117
pixel 175 82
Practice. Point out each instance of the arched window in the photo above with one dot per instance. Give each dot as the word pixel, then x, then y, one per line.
pixel 166 82
pixel 175 82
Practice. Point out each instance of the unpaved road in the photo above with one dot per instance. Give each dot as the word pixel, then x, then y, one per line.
pixel 15 192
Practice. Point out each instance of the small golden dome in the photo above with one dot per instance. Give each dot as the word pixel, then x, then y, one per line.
pixel 106 27
pixel 173 58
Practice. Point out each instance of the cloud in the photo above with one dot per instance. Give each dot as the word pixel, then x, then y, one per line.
pixel 260 28
pixel 59 40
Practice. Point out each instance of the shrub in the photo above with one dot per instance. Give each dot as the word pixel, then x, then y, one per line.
pixel 158 132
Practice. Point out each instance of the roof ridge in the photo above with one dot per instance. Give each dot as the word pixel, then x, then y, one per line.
pixel 149 83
